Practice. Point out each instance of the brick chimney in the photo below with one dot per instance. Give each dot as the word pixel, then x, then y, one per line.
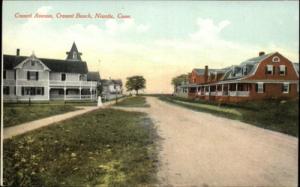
pixel 261 53
pixel 18 52
pixel 205 74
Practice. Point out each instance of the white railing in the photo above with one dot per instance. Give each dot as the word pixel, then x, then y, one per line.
pixel 72 97
pixel 239 93
pixel 32 82
pixel 243 93
pixel 219 93
pixel 212 93
pixel 232 93
pixel 206 93
pixel 73 83
pixel 9 82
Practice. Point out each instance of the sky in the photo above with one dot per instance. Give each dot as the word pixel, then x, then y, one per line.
pixel 159 40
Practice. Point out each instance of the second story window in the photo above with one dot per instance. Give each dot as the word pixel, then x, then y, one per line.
pixel 32 75
pixel 269 70
pixel 4 74
pixel 282 70
pixel 63 77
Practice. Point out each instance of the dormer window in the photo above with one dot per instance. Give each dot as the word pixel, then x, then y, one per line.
pixel 275 59
pixel 74 55
pixel 32 63
pixel 245 70
pixel 282 70
pixel 269 69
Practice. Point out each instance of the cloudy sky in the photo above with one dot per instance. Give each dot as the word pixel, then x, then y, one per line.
pixel 160 39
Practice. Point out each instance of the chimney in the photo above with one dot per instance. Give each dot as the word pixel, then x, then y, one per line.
pixel 18 52
pixel 205 74
pixel 261 53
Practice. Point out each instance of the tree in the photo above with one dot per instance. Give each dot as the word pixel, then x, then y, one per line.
pixel 176 81
pixel 135 83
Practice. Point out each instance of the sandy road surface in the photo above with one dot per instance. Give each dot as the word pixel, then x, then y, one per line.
pixel 199 149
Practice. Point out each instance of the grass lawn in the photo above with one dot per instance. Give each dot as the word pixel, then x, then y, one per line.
pixel 14 114
pixel 270 114
pixel 137 101
pixel 102 148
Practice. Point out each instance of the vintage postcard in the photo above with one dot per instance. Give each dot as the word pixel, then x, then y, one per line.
pixel 155 93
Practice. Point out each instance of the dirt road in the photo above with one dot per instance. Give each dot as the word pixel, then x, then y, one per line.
pixel 199 149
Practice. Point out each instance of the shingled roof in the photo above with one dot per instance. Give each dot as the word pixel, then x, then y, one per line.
pixel 55 65
pixel 93 76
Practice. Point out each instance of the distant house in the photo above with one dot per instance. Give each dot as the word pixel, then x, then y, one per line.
pixel 111 89
pixel 266 76
pixel 43 79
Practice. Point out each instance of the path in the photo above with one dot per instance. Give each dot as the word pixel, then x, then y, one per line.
pixel 204 150
pixel 9 132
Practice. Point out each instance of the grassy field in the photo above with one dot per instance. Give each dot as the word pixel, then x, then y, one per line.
pixel 105 147
pixel 281 116
pixel 137 101
pixel 14 114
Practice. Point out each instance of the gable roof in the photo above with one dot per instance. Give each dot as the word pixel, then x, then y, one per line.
pixel 107 82
pixel 93 76
pixel 55 65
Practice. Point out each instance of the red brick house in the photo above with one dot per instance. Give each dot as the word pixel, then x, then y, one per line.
pixel 266 76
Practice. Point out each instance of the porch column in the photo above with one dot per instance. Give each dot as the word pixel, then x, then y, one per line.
pixel 222 88
pixel 91 92
pixel 209 90
pixel 65 93
pixel 80 93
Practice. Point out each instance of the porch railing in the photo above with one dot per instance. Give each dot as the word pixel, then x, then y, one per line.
pixel 73 83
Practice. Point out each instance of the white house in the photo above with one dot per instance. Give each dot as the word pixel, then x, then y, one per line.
pixel 30 77
pixel 111 89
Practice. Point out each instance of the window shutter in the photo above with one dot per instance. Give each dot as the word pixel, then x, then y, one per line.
pixel 266 72
pixel 4 74
pixel 256 87
pixel 37 75
pixel 264 88
pixel 285 70
pixel 42 90
pixel 282 87
pixel 273 70
pixel 28 75
pixel 15 74
pixel 290 88
pixel 15 90
pixel 23 90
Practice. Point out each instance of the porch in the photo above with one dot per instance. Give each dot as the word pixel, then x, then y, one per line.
pixel 73 94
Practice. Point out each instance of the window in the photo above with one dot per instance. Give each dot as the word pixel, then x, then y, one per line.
pixel 269 69
pixel 6 90
pixel 260 87
pixel 63 77
pixel 4 74
pixel 275 59
pixel 32 75
pixel 285 87
pixel 81 77
pixel 245 70
pixel 32 90
pixel 32 63
pixel 282 70
pixel 74 55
